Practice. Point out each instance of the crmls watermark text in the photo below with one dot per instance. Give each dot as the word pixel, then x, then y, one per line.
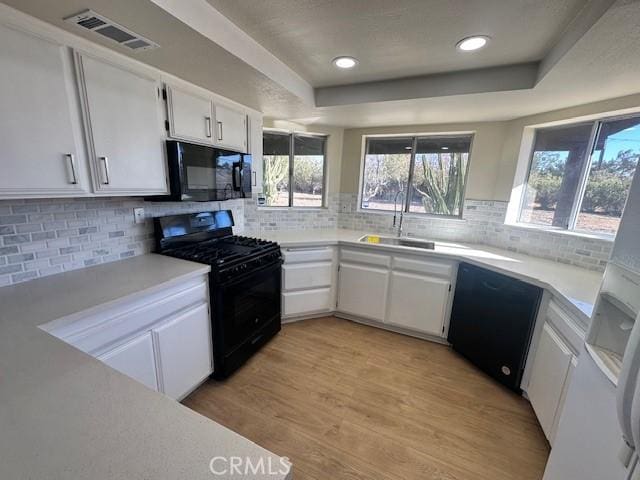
pixel 243 466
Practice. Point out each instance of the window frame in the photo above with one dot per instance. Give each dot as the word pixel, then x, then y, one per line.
pixel 578 200
pixel 414 142
pixel 292 135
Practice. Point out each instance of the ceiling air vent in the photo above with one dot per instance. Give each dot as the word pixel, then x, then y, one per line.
pixel 90 20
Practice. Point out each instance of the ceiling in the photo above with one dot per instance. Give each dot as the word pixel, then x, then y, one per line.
pixel 399 38
pixel 275 55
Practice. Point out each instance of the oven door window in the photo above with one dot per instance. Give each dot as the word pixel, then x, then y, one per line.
pixel 249 304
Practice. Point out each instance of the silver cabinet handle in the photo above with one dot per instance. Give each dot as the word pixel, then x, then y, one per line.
pixel 219 131
pixel 254 182
pixel 207 125
pixel 72 164
pixel 105 160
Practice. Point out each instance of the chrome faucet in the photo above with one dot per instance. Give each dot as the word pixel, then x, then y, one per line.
pixel 395 213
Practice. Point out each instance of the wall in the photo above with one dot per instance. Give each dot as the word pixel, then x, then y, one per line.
pixel 485 155
pixel 280 218
pixel 44 237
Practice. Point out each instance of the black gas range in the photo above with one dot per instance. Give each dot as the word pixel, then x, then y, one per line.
pixel 244 283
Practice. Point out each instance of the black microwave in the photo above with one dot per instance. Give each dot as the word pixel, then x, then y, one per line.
pixel 198 173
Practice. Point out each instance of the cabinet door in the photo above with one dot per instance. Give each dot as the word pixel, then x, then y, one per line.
pixel 190 116
pixel 40 130
pixel 548 376
pixel 183 347
pixel 418 302
pixel 231 129
pixel 134 359
pixel 362 291
pixel 123 118
pixel 255 148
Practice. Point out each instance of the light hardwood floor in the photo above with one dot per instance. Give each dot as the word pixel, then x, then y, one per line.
pixel 348 401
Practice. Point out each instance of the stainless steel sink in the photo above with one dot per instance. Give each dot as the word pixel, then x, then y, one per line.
pixel 399 241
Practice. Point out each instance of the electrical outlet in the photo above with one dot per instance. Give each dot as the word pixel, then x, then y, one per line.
pixel 138 215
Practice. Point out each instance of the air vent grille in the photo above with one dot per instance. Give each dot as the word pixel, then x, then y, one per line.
pixel 97 23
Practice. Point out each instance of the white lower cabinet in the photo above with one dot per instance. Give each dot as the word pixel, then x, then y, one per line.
pixel 418 302
pixel 135 359
pixel 549 379
pixel 399 290
pixel 162 339
pixel 362 290
pixel 183 350
pixel 307 302
pixel 308 279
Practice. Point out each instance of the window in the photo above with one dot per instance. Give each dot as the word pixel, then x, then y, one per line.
pixel 580 175
pixel 294 166
pixel 419 174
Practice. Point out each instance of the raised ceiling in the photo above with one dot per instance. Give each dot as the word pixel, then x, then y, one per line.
pixel 275 55
pixel 399 38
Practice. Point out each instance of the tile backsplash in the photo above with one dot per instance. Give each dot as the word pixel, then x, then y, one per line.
pixel 483 222
pixel 44 237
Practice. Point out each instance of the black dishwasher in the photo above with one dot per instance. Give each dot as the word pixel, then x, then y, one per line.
pixel 492 321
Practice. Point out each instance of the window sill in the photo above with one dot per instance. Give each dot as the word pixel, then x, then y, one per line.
pixel 570 233
pixel 413 215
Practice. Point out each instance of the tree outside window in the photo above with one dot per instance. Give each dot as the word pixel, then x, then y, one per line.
pixel 294 166
pixel 430 172
pixel 580 175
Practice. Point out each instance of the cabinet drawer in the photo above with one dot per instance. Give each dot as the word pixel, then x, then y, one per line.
pixel 306 275
pixel 299 255
pixel 306 301
pixel 358 256
pixel 99 333
pixel 440 268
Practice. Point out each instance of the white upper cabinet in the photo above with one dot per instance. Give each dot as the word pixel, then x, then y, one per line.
pixel 123 121
pixel 230 130
pixel 40 128
pixel 190 116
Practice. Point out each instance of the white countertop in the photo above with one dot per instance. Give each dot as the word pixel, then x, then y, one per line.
pixel 576 288
pixel 65 415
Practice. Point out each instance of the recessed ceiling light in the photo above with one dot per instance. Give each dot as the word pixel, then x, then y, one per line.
pixel 407 148
pixel 345 62
pixel 470 44
pixel 444 148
